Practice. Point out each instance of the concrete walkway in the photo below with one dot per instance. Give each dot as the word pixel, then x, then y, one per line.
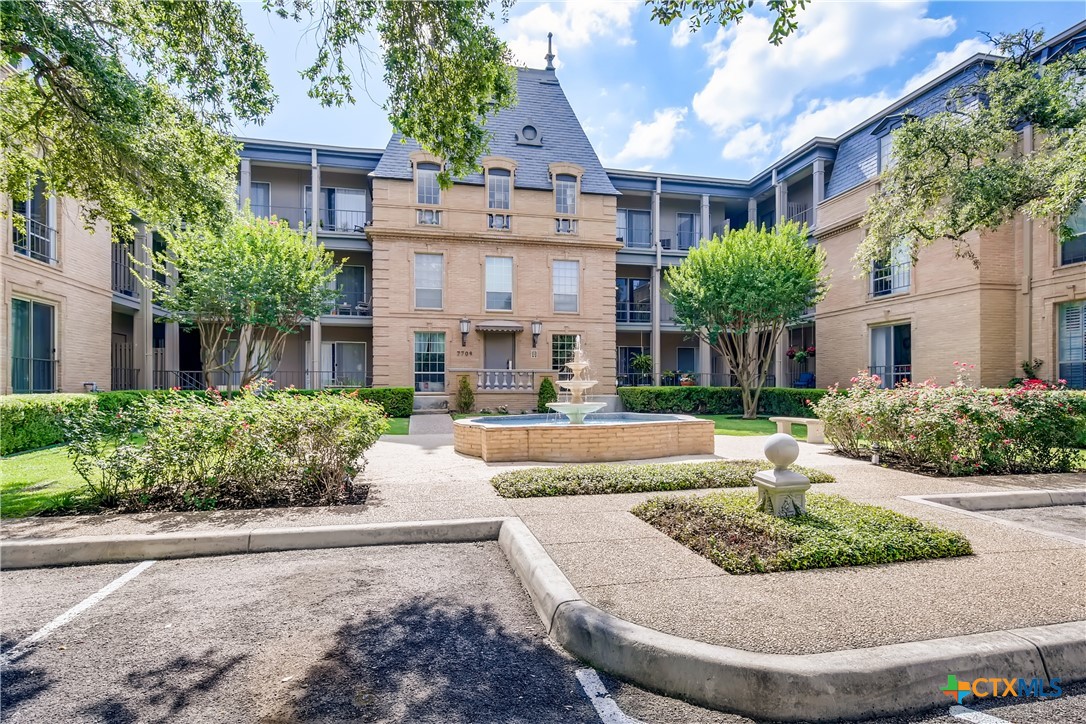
pixel 626 567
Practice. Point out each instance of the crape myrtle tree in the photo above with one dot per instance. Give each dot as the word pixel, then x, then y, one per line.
pixel 246 289
pixel 128 105
pixel 739 292
pixel 967 168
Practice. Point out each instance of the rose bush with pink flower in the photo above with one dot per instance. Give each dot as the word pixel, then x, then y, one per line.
pixel 957 429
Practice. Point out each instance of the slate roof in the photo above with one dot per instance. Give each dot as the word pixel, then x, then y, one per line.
pixel 542 104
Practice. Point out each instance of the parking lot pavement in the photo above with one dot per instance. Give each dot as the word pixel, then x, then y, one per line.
pixel 438 633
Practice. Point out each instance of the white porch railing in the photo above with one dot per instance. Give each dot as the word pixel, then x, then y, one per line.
pixel 501 380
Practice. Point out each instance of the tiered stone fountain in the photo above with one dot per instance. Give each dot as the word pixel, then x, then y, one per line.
pixel 572 439
pixel 576 409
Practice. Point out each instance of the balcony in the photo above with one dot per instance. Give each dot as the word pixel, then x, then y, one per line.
pixel 801 214
pixel 892 375
pixel 125 280
pixel 338 221
pixel 282 379
pixel 352 305
pixel 633 312
pixel 35 240
pixel 635 238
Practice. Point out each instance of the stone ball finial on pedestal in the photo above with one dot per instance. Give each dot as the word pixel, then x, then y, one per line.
pixel 782 450
pixel 781 491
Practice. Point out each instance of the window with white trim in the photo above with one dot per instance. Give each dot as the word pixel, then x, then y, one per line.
pixel 429 191
pixel 1073 250
pixel 566 284
pixel 499 283
pixel 429 281
pixel 498 183
pixel 33 343
pixel 894 276
pixel 565 194
pixel 33 233
pixel 429 361
pixel 886 153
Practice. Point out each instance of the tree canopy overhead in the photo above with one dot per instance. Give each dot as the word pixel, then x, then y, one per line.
pixel 738 293
pixel 963 169
pixel 128 105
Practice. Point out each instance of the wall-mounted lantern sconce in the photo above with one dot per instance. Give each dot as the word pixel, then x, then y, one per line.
pixel 465 327
pixel 537 329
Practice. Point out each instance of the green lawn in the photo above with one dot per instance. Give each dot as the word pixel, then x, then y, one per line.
pixel 33 481
pixel 736 425
pixel 398 425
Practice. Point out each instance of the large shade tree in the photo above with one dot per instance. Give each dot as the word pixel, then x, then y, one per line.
pixel 128 105
pixel 968 168
pixel 246 289
pixel 739 292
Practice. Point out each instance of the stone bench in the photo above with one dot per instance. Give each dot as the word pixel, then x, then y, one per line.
pixel 816 429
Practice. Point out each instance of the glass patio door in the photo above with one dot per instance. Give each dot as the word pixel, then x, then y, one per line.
pixel 33 330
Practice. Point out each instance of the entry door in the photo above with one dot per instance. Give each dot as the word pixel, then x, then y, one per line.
pixel 499 351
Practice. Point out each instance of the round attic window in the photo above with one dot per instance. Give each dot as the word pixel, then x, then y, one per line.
pixel 528 133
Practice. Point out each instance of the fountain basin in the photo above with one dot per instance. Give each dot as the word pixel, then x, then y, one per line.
pixel 576 411
pixel 602 437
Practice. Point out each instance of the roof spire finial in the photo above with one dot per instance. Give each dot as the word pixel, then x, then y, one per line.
pixel 550 53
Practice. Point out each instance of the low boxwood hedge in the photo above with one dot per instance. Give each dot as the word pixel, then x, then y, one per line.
pixel 727 529
pixel 28 422
pixel 612 478
pixel 786 401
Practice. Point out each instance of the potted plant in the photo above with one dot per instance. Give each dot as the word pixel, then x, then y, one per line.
pixel 642 364
pixel 668 377
pixel 687 379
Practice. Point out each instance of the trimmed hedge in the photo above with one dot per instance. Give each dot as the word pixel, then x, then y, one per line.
pixel 785 401
pixel 610 478
pixel 32 421
pixel 28 422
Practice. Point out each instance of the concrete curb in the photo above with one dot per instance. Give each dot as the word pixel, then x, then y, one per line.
pixel 859 683
pixel 41 553
pixel 974 505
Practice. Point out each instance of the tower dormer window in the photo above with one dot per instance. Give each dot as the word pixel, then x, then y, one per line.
pixel 429 191
pixel 498 183
pixel 565 194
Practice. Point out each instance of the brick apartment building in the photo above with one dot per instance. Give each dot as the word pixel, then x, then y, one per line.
pixel 493 278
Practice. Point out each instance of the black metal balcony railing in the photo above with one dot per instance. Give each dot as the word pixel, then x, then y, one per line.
pixel 35 240
pixel 281 379
pixel 889 279
pixel 124 378
pixel 633 312
pixel 329 220
pixel 124 279
pixel 352 305
pixel 33 374
pixel 892 375
pixel 686 238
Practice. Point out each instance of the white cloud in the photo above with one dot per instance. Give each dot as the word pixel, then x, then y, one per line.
pixel 826 117
pixel 946 60
pixel 831 118
pixel 655 139
pixel 574 24
pixel 681 35
pixel 753 80
pixel 748 143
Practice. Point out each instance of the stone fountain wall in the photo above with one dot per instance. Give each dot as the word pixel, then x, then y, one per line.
pixel 584 443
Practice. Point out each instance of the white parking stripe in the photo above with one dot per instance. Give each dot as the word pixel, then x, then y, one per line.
pixel 604 705
pixel 21 648
pixel 977 717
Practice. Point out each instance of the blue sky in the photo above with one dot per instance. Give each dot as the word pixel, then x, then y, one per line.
pixel 720 102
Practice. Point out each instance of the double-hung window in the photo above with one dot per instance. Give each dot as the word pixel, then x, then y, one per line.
pixel 1073 250
pixel 565 204
pixel 34 233
pixel 566 282
pixel 499 183
pixel 428 193
pixel 893 276
pixel 429 281
pixel 562 352
pixel 499 283
pixel 429 361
